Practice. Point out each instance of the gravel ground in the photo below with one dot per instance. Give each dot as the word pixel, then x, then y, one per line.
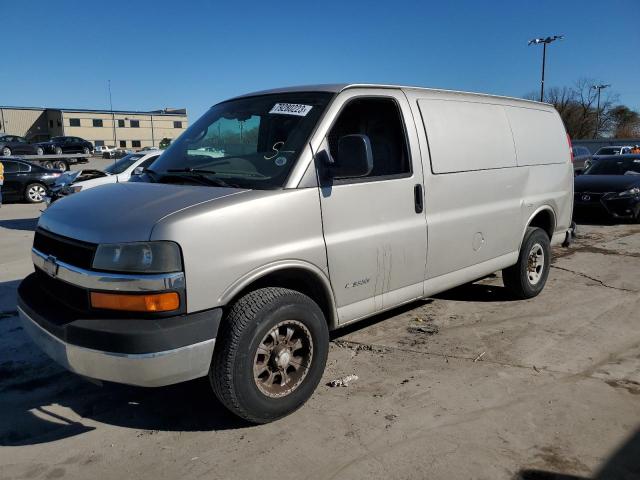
pixel 467 384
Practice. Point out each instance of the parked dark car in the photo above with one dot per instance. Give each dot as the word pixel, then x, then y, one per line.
pixel 26 181
pixel 581 157
pixel 611 187
pixel 59 145
pixel 15 145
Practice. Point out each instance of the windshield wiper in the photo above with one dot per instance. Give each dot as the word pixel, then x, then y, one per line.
pixel 202 176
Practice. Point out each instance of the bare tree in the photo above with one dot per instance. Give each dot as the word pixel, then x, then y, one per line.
pixel 577 106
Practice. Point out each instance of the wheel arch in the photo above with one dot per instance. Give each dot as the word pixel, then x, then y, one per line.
pixel 297 275
pixel 543 217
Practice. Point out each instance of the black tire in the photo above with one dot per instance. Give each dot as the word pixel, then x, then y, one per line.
pixel 6 152
pixel 58 150
pixel 244 329
pixel 47 164
pixel 61 165
pixel 34 192
pixel 527 278
pixel 86 150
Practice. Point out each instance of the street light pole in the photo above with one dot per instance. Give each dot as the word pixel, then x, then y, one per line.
pixel 599 88
pixel 544 42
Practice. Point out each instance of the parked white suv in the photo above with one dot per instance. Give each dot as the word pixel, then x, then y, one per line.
pixel 100 149
pixel 322 206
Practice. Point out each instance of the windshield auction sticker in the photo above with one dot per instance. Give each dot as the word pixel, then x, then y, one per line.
pixel 291 109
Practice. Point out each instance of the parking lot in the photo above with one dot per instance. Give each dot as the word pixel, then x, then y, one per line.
pixel 464 385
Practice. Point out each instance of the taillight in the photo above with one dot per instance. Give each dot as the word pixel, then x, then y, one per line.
pixel 570 147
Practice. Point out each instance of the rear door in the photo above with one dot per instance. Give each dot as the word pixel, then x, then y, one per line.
pixel 375 236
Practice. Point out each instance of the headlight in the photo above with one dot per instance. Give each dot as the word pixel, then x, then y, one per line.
pixel 632 192
pixel 139 257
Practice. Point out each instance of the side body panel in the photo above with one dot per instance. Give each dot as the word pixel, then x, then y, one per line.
pixel 472 188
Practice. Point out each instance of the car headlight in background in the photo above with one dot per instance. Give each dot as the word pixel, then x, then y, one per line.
pixel 632 192
pixel 139 257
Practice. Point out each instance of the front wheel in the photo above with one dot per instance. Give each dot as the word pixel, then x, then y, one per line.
pixel 270 354
pixel 58 150
pixel 34 193
pixel 39 151
pixel 527 278
pixel 86 150
pixel 6 152
pixel 47 164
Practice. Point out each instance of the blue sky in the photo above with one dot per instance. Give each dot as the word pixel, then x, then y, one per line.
pixel 194 53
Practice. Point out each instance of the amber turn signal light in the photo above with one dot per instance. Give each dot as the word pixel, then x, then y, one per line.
pixel 157 302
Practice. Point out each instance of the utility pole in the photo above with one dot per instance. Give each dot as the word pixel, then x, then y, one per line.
pixel 113 117
pixel 599 88
pixel 544 42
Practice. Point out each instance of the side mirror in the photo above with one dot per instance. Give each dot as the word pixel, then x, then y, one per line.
pixel 138 171
pixel 355 157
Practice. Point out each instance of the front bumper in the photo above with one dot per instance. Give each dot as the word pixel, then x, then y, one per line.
pixel 143 352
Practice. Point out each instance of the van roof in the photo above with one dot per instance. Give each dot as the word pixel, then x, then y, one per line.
pixel 339 87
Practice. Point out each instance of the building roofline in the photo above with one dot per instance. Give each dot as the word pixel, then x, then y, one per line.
pixel 171 111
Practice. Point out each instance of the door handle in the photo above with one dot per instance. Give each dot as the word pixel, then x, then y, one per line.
pixel 417 198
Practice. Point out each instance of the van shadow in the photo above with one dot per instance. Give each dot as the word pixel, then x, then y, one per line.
pixel 27 224
pixel 624 464
pixel 477 292
pixel 41 402
pixel 57 406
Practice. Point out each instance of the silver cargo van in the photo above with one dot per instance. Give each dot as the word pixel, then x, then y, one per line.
pixel 281 215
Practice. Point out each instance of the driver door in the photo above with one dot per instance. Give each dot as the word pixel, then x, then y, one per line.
pixel 374 226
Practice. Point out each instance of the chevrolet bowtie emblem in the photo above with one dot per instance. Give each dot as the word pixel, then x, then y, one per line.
pixel 50 266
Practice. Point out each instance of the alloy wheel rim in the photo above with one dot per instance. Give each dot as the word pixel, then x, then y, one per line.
pixel 6 152
pixel 36 193
pixel 535 264
pixel 283 359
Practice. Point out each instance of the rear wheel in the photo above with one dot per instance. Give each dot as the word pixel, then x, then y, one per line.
pixel 47 164
pixel 39 151
pixel 6 152
pixel 34 193
pixel 270 354
pixel 58 150
pixel 86 150
pixel 527 278
pixel 61 165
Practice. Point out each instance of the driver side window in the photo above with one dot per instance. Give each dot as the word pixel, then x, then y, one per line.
pixel 379 119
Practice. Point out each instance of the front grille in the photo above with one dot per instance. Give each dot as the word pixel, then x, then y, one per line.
pixel 74 297
pixel 73 252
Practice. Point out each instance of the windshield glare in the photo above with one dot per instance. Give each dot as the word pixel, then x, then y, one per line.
pixel 249 142
pixel 122 164
pixel 611 166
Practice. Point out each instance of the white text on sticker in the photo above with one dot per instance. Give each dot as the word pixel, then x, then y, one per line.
pixel 291 109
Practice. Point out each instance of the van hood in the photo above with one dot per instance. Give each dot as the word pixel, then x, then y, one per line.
pixel 605 183
pixel 123 212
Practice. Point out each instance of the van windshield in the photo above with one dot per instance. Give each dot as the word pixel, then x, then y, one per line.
pixel 251 142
